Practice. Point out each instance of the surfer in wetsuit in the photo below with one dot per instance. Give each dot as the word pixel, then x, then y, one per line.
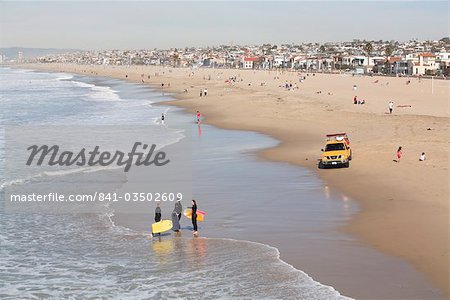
pixel 157 216
pixel 157 213
pixel 194 216
pixel 176 223
pixel 178 208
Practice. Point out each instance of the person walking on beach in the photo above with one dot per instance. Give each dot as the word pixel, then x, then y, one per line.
pixel 194 216
pixel 399 153
pixel 178 208
pixel 198 117
pixel 201 93
pixel 205 92
pixel 163 116
pixel 391 107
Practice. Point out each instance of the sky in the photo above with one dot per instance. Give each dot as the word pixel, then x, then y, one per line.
pixel 150 24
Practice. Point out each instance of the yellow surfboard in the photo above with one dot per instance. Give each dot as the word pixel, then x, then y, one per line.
pixel 161 226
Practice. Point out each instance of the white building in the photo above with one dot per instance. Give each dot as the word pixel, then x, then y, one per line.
pixel 424 63
pixel 249 62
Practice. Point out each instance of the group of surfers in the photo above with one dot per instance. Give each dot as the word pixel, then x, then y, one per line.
pixel 176 216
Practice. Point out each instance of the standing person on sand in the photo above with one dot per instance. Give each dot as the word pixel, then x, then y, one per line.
pixel 157 213
pixel 178 208
pixel 201 93
pixel 194 216
pixel 205 92
pixel 399 153
pixel 157 216
pixel 391 107
pixel 175 223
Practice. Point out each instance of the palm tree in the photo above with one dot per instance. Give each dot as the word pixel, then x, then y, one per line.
pixel 368 48
pixel 175 59
pixel 389 50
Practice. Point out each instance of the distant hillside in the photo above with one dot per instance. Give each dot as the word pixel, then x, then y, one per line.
pixel 11 53
pixel 445 40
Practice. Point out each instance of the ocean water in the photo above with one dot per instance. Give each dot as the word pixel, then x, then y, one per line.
pixel 94 256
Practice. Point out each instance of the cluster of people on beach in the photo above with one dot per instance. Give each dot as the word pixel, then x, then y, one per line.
pixel 289 86
pixel 358 101
pixel 232 80
pixel 203 92
pixel 176 216
pixel 422 156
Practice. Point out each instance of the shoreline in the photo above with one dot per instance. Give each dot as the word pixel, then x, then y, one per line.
pixel 396 220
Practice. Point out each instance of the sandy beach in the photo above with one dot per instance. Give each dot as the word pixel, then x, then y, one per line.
pixel 405 208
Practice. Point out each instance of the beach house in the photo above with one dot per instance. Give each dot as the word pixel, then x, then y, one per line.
pixel 443 59
pixel 250 62
pixel 423 64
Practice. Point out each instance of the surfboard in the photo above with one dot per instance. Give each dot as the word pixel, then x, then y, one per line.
pixel 200 214
pixel 161 226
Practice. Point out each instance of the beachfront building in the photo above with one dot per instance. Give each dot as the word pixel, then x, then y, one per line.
pixel 397 66
pixel 250 62
pixel 266 62
pixel 443 59
pixel 299 62
pixel 279 61
pixel 342 61
pixel 423 64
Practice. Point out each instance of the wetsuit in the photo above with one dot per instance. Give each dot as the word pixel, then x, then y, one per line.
pixel 178 209
pixel 176 223
pixel 157 214
pixel 194 216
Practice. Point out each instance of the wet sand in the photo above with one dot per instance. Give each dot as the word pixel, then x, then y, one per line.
pixel 404 206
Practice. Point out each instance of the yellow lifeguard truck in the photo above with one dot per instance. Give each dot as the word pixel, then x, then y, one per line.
pixel 337 151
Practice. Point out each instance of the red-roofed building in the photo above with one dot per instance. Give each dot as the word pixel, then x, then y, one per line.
pixel 394 59
pixel 250 62
pixel 425 64
pixel 427 55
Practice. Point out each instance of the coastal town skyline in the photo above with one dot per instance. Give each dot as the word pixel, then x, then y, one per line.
pixel 148 25
pixel 359 56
